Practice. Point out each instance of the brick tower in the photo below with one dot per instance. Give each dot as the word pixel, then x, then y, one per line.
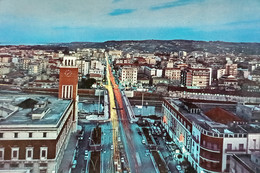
pixel 68 85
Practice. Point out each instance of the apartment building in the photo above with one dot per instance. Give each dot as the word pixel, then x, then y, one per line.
pixel 208 141
pixel 128 75
pixel 231 69
pixel 172 73
pixel 196 77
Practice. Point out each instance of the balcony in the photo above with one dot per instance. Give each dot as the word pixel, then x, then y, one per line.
pixel 208 166
pixel 210 148
pixel 210 158
pixel 235 151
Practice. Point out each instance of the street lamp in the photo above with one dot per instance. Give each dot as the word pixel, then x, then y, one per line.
pixel 98 98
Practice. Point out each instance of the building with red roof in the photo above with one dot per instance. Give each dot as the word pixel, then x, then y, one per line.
pixel 222 116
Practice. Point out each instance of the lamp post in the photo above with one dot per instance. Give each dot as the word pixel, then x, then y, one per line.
pixel 98 99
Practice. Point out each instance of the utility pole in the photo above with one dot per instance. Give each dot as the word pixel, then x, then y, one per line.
pixel 98 99
pixel 142 103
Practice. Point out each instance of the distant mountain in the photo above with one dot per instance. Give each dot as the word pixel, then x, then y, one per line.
pixel 168 46
pixel 157 46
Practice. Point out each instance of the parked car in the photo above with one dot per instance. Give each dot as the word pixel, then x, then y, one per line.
pixel 143 141
pixel 122 160
pixel 74 164
pixel 178 167
pixel 86 155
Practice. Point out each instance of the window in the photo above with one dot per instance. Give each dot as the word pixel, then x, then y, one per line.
pixel 30 135
pixel 43 154
pixel 15 153
pixel 1 135
pixel 2 151
pixel 44 134
pixel 29 153
pixel 15 135
pixel 241 146
pixel 229 146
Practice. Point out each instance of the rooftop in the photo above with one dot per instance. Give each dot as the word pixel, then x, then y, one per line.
pixel 208 123
pixel 222 116
pixel 23 116
pixel 245 159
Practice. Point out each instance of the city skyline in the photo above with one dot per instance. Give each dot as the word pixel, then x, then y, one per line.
pixel 36 22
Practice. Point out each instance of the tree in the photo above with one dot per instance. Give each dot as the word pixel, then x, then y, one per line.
pixel 87 83
pixel 190 170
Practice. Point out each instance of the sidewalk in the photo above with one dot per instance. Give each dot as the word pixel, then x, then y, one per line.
pixel 68 154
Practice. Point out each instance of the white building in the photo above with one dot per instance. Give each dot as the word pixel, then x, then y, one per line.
pixel 128 75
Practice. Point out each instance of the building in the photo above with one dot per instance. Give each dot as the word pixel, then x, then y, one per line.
pixel 182 54
pixel 149 71
pixel 35 130
pixel 95 64
pixel 34 138
pixel 128 75
pixel 34 69
pixel 196 77
pixel 250 113
pixel 173 74
pixel 221 72
pixel 208 140
pixel 159 80
pixel 228 83
pixel 245 163
pixel 231 69
pixel 5 58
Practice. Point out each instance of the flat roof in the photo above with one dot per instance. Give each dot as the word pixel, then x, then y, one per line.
pixel 23 115
pixel 245 160
pixel 201 119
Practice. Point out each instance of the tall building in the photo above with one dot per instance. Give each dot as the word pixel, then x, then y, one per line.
pixel 172 73
pixel 196 77
pixel 68 84
pixel 35 130
pixel 231 69
pixel 128 75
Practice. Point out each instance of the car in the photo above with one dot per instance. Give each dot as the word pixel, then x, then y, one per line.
pixel 143 141
pixel 86 157
pixel 112 147
pixel 74 164
pixel 86 152
pixel 178 167
pixel 147 152
pixel 122 160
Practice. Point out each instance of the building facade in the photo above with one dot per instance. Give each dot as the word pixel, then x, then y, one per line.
pixel 35 130
pixel 207 144
pixel 172 73
pixel 196 77
pixel 128 75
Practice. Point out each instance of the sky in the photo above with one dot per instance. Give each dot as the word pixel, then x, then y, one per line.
pixel 54 21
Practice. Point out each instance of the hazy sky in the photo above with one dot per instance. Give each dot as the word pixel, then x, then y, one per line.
pixel 44 21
